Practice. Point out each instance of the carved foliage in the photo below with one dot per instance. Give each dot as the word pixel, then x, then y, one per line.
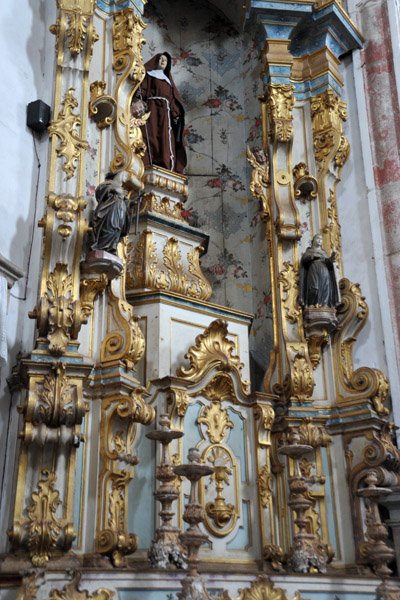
pixel 313 435
pixel 45 532
pixel 289 279
pixel 67 208
pixel 119 419
pixel 213 348
pixel 299 382
pixel 280 101
pixel 71 591
pixel 71 145
pixel 263 588
pixel 216 419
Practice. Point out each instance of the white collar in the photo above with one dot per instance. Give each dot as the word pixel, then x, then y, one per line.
pixel 159 74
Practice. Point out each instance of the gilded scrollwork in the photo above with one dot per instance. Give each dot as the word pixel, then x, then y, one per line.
pixel 142 263
pixel 127 62
pixel 90 288
pixel 299 382
pixel 175 269
pixel 58 316
pixel 212 348
pixel 58 402
pixel 164 207
pixel 76 32
pixel 263 588
pixel 280 101
pixel 260 180
pixel 66 208
pixel 179 399
pixel 264 482
pixel 205 291
pixel 217 421
pixel 313 435
pixel 124 340
pixel 120 418
pixel 364 382
pixel 316 341
pixel 289 280
pixel 44 531
pixel 71 145
pixel 71 591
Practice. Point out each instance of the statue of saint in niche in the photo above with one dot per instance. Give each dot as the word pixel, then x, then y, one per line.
pixel 318 293
pixel 163 131
pixel 113 215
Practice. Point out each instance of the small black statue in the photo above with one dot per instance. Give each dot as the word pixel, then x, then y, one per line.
pixel 318 286
pixel 113 216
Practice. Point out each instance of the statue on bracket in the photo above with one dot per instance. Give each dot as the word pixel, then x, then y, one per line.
pixel 163 131
pixel 113 214
pixel 318 292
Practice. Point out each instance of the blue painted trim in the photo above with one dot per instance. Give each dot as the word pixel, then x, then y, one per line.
pixel 110 7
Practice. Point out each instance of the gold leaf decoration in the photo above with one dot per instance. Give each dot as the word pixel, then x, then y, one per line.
pixel 264 482
pixel 172 260
pixel 204 293
pixel 280 101
pixel 289 279
pixel 71 145
pixel 313 435
pixel 217 421
pixel 76 32
pixel 213 349
pixel 264 589
pixel 71 592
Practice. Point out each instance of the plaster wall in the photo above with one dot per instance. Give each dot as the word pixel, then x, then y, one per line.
pixel 27 50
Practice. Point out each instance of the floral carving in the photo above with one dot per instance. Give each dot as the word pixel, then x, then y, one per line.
pixel 71 145
pixel 289 279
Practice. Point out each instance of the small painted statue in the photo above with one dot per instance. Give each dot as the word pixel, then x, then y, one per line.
pixel 318 285
pixel 113 215
pixel 163 130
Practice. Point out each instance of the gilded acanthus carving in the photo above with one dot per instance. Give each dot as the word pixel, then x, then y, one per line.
pixel 42 531
pixel 179 399
pixel 66 208
pixel 90 288
pixel 127 62
pixel 176 274
pixel 289 280
pixel 76 32
pixel 313 435
pixel 58 403
pixel 162 206
pixel 299 382
pixel 120 418
pixel 364 382
pixel 71 591
pixel 280 101
pixel 71 145
pixel 58 316
pixel 260 178
pixel 264 482
pixel 216 419
pixel 316 341
pixel 213 349
pixel 263 589
pixel 75 21
pixel 327 112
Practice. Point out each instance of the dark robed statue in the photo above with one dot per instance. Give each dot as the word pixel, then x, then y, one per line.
pixel 163 131
pixel 112 217
pixel 318 286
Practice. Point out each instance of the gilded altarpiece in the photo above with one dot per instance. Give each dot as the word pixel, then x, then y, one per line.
pixel 115 351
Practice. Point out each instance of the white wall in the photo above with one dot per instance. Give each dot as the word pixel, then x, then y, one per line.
pixel 27 51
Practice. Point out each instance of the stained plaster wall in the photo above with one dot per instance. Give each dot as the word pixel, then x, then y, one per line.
pixel 27 51
pixel 217 72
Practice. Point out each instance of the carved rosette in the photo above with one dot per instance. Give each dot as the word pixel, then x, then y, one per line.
pixel 157 263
